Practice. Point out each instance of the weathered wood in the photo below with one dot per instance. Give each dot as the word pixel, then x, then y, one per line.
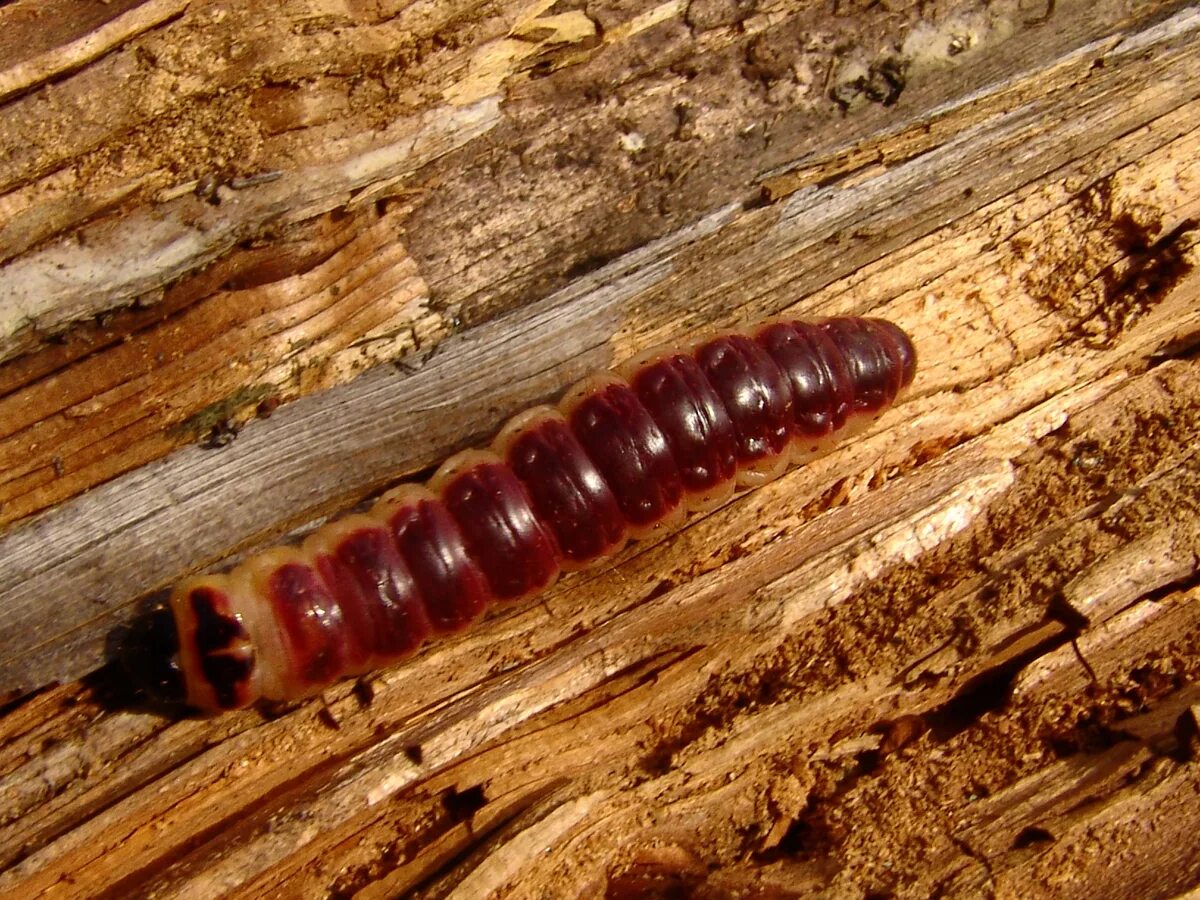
pixel 356 438
pixel 955 656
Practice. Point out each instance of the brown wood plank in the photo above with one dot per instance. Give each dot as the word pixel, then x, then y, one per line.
pixel 386 424
pixel 957 656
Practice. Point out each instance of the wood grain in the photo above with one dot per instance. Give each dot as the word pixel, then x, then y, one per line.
pixel 389 423
pixel 957 656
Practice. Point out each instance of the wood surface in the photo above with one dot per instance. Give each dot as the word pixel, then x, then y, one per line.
pixel 260 265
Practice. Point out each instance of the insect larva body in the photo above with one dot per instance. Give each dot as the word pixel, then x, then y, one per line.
pixel 623 455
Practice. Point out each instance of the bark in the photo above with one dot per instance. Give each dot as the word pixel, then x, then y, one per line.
pixel 259 265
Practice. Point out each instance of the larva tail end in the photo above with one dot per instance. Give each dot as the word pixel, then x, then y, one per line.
pixel 149 654
pixel 902 349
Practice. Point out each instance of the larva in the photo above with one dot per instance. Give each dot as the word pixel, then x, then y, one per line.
pixel 624 454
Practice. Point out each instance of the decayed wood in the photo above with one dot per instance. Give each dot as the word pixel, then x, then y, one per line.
pixel 556 210
pixel 360 306
pixel 955 656
pixel 390 422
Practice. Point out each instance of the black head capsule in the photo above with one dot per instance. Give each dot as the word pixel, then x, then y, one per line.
pixel 149 654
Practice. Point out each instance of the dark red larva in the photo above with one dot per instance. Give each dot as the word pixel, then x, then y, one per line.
pixel 623 455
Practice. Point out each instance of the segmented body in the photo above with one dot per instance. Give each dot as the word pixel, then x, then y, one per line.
pixel 622 455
